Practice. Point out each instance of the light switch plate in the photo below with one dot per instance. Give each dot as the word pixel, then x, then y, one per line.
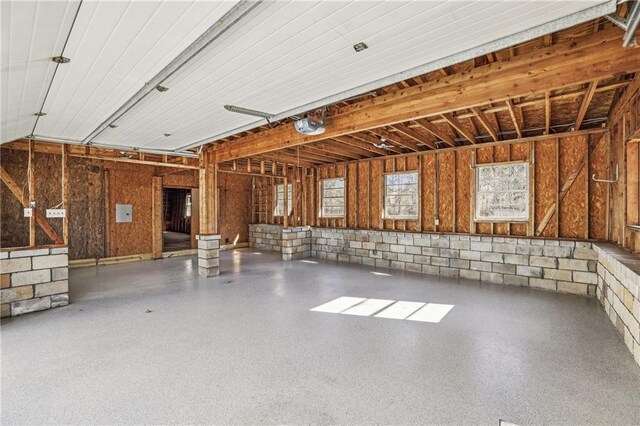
pixel 55 212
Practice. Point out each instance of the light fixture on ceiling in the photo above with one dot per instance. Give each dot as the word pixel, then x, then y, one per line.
pixel 246 111
pixel 113 126
pixel 161 89
pixel 359 47
pixel 40 114
pixel 60 60
pixel 384 144
pixel 124 155
pixel 167 134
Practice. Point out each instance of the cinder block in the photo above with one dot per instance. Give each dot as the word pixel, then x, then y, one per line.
pixel 516 280
pixel 529 271
pixel 30 277
pixel 59 300
pixel 15 265
pixel 585 253
pixel 212 262
pixel 51 261
pixel 480 246
pixel 16 293
pixel 440 261
pixel 573 288
pixel 382 247
pixel 414 267
pixel 504 247
pixel 543 283
pixel 469 274
pixel 449 272
pixel 504 268
pixel 29 253
pixel 449 253
pixel 585 277
pixel 516 259
pixel 556 274
pixel 573 264
pixel 208 272
pixel 557 251
pixel 397 248
pixel 430 270
pixel 492 277
pixel 480 266
pixel 469 255
pixel 423 260
pixel 492 257
pixel 60 250
pixel 413 250
pixel 543 261
pixel 31 305
pixel 55 287
pixel 430 251
pixel 459 263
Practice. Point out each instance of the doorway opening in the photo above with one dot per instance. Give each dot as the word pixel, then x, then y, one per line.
pixel 176 219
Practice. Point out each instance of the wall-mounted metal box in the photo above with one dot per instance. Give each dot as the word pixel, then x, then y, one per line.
pixel 124 213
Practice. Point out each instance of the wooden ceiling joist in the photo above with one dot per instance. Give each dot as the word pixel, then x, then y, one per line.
pixel 486 123
pixel 435 131
pixel 373 140
pixel 564 64
pixel 456 124
pixel 515 119
pixel 416 140
pixel 584 105
pixel 397 142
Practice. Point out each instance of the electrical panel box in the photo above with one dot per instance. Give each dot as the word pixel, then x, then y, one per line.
pixel 55 212
pixel 124 213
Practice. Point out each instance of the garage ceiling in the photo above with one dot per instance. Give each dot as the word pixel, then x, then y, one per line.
pixel 281 58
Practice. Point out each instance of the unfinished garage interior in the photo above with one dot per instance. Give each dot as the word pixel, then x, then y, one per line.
pixel 320 212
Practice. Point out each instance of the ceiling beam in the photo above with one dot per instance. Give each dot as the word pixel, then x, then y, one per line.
pixel 573 62
pixel 486 123
pixel 456 124
pixel 584 105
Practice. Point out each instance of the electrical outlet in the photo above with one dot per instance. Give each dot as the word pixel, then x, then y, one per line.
pixel 55 212
pixel 437 222
pixel 28 212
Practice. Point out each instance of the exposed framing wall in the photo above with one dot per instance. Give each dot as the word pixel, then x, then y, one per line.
pixel 560 172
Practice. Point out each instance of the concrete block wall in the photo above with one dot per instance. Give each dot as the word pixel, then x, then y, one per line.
pixel 619 292
pixel 562 266
pixel 208 255
pixel 265 237
pixel 33 279
pixel 296 243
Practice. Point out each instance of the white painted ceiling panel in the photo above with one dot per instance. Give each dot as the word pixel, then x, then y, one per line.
pixel 115 48
pixel 32 33
pixel 281 56
pixel 290 54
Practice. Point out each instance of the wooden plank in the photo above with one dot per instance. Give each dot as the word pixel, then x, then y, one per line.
pixel 157 219
pixel 435 131
pixel 486 123
pixel 65 193
pixel 584 105
pixel 31 180
pixel 515 119
pixel 453 121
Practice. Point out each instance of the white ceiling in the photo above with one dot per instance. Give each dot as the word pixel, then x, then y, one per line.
pixel 281 56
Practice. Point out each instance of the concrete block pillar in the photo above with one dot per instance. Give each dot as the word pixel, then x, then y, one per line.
pixel 296 243
pixel 208 255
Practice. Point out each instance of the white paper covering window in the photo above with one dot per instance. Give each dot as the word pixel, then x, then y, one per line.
pixel 332 197
pixel 502 192
pixel 401 196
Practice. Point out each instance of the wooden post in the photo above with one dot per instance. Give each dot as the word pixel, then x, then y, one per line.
pixel 65 193
pixel 32 193
pixel 285 207
pixel 157 219
pixel 195 216
pixel 208 199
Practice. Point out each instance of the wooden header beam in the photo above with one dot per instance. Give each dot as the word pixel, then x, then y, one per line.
pixel 595 57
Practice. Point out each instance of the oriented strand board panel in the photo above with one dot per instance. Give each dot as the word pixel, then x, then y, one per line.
pixel 546 181
pixel 15 227
pixel 352 195
pixel 519 152
pixel 446 187
pixel 86 209
pixel 234 214
pixel 573 206
pixel 364 200
pixel 184 179
pixel 376 194
pixel 428 192
pixel 463 190
pixel 484 155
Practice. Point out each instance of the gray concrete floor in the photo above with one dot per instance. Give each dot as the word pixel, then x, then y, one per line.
pixel 244 348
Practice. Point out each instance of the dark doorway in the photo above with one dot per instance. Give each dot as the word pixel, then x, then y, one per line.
pixel 176 224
